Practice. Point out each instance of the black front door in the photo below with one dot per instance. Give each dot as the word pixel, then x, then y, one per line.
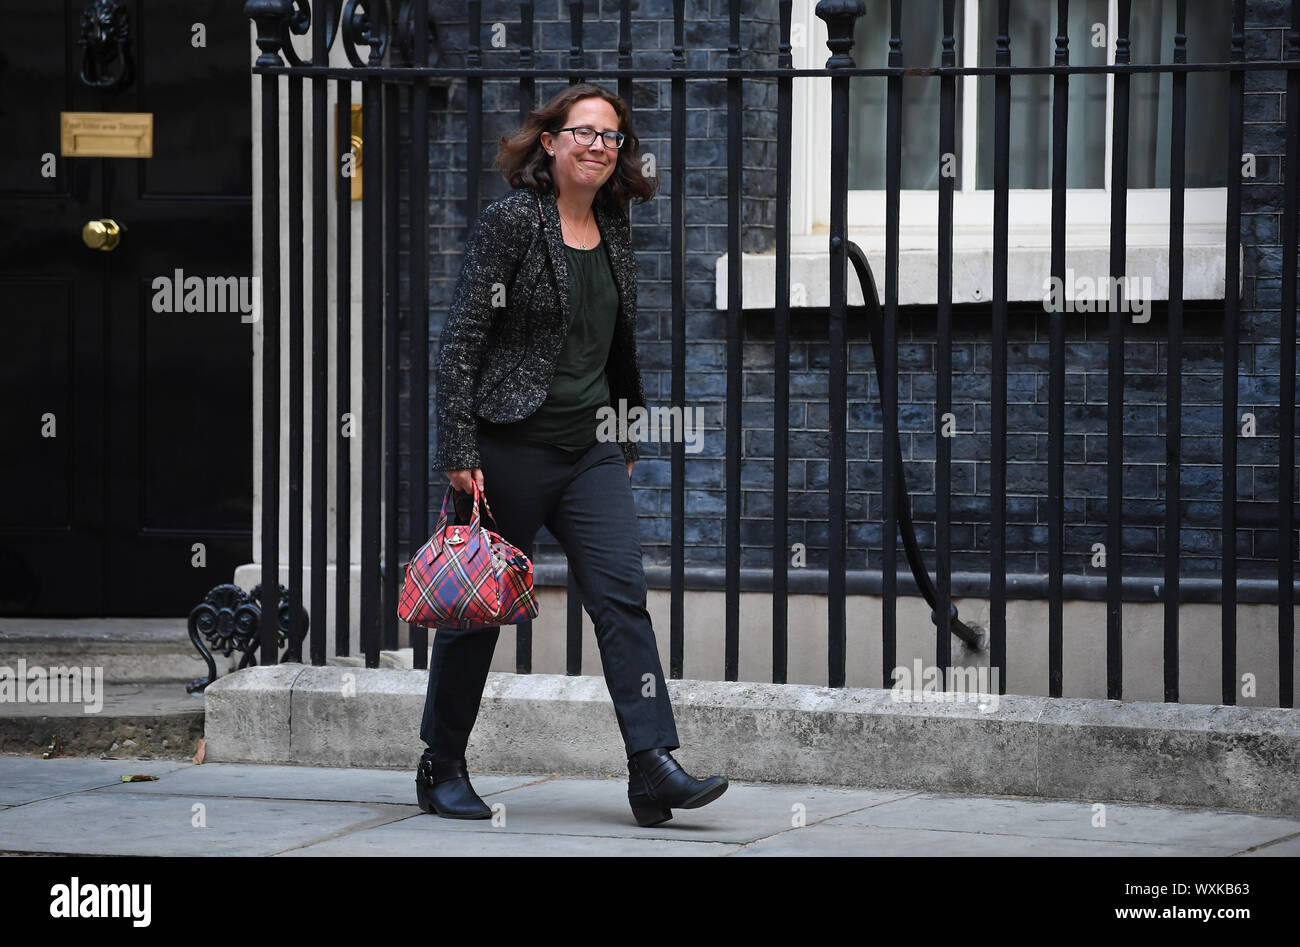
pixel 126 428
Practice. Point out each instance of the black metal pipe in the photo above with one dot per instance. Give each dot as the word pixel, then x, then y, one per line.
pixel 527 102
pixel 1056 376
pixel 575 42
pixel 293 649
pixel 1115 371
pixel 344 412
pixel 1231 319
pixel 677 257
pixel 998 347
pixel 573 630
pixel 572 641
pixel 372 291
pixel 945 423
pixel 887 367
pixel 270 598
pixel 1174 368
pixel 735 339
pixel 1286 462
pixel 319 351
pixel 418 528
pixel 894 465
pixel 406 75
pixel 781 366
pixel 392 573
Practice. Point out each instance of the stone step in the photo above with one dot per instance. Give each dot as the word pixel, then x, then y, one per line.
pixel 139 704
pixel 128 650
pixel 138 720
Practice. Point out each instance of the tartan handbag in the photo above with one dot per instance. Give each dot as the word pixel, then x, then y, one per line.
pixel 467 577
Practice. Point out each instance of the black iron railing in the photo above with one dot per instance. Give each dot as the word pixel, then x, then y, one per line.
pixel 390 58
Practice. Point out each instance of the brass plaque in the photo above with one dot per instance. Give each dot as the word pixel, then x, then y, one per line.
pixel 352 121
pixel 106 134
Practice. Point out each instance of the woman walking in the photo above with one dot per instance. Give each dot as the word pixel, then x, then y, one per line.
pixel 540 335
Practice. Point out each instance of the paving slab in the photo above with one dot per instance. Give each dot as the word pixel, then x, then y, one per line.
pixel 25 779
pixel 80 806
pixel 269 781
pixel 424 836
pixel 1210 831
pixel 843 839
pixel 99 823
pixel 567 805
pixel 1288 848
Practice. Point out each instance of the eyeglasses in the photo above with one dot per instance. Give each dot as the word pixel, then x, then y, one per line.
pixel 586 135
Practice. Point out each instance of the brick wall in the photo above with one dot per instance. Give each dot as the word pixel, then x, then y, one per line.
pixel 1085 447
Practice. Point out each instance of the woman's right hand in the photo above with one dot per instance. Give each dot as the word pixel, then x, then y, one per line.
pixel 465 479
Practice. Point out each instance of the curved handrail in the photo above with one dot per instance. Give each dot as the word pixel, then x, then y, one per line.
pixel 871 303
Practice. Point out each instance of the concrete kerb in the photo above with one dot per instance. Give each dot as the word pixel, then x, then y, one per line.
pixel 247 714
pixel 1183 754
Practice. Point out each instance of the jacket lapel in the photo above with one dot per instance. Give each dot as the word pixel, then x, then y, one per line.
pixel 617 242
pixel 611 233
pixel 555 247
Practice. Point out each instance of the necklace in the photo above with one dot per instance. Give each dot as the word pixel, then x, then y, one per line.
pixel 585 231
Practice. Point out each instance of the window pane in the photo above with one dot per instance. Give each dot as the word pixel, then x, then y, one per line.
pixel 1032 31
pixel 1209 28
pixel 922 38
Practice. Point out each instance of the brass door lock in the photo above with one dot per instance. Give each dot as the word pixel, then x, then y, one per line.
pixel 101 234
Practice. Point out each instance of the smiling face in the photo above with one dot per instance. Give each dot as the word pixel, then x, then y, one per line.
pixel 583 167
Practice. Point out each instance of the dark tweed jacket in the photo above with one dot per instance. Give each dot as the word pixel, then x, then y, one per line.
pixel 496 362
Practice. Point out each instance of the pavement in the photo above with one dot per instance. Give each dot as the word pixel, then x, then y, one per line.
pixel 81 806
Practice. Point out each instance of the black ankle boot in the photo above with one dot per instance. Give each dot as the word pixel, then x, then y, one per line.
pixel 443 787
pixel 656 784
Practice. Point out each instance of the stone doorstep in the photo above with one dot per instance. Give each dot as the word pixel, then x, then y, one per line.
pixel 129 650
pixel 134 665
pixel 140 719
pixel 143 720
pixel 1219 756
pixel 145 662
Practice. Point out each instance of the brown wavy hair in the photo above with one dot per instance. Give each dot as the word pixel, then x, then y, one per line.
pixel 523 161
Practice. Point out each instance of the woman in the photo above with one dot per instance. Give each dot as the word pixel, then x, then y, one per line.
pixel 540 335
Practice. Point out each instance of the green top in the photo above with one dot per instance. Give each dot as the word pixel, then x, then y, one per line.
pixel 567 418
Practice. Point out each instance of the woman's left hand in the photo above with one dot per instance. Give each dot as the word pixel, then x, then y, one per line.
pixel 629 468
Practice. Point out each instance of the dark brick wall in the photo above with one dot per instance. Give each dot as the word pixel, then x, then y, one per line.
pixel 1085 448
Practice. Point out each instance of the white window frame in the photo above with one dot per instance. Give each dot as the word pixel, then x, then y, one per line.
pixel 1029 226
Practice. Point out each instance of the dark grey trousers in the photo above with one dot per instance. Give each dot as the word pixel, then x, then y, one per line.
pixel 586 503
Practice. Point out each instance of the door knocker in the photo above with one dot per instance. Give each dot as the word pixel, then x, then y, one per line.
pixel 106 36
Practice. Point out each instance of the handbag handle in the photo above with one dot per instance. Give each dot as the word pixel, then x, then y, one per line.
pixel 479 495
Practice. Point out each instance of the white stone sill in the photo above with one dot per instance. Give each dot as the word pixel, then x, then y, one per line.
pixel 1028 267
